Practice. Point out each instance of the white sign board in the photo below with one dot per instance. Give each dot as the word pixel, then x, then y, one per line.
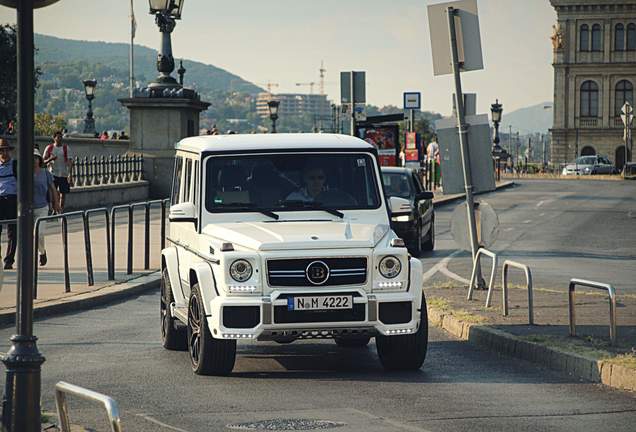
pixel 412 100
pixel 468 36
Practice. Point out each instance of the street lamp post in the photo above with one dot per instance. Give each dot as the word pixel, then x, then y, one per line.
pixel 23 361
pixel 273 112
pixel 166 13
pixel 496 111
pixel 89 121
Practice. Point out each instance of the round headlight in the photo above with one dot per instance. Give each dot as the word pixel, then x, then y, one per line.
pixel 390 267
pixel 241 270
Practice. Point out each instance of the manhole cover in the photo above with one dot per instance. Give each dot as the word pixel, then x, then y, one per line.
pixel 286 425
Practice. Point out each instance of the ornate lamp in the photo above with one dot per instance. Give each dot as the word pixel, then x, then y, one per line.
pixel 89 121
pixel 273 112
pixel 166 13
pixel 496 110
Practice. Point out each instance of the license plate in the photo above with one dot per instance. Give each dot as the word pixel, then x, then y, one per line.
pixel 320 303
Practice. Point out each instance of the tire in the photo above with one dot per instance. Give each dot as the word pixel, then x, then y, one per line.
pixel 208 356
pixel 173 333
pixel 416 248
pixel 354 342
pixel 405 353
pixel 429 244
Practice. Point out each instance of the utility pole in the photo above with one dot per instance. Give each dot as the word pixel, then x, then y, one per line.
pixel 463 143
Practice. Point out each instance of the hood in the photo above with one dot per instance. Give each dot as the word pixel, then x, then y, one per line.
pixel 291 235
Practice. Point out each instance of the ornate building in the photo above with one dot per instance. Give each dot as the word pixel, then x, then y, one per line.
pixel 594 63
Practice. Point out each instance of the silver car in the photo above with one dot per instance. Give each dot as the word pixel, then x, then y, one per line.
pixel 589 165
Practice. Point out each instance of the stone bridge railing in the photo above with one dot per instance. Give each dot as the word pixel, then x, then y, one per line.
pixel 106 170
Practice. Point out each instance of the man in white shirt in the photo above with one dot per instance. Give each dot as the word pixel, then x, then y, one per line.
pixel 58 158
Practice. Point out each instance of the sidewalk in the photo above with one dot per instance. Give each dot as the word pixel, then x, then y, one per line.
pixel 51 295
pixel 588 356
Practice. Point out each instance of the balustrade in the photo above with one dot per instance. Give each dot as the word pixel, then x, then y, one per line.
pixel 107 170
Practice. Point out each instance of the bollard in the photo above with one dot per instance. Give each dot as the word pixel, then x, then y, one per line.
pixel 129 266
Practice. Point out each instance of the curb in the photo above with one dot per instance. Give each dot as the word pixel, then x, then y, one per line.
pixel 578 366
pixel 448 200
pixel 108 294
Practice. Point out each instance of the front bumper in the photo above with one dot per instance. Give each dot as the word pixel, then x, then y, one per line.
pixel 267 317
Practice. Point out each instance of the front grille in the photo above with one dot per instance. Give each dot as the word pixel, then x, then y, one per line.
pixel 292 272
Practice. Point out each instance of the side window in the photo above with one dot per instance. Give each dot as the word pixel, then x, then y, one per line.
pixel 418 185
pixel 195 184
pixel 176 180
pixel 187 182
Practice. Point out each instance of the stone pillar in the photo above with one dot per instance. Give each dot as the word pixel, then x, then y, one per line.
pixel 156 125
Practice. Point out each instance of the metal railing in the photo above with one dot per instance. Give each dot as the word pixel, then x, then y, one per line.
pixel 107 170
pixel 493 271
pixel 130 210
pixel 504 285
pixel 109 228
pixel 110 405
pixel 64 220
pixel 6 223
pixel 612 304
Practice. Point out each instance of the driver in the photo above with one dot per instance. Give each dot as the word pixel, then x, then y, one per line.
pixel 315 180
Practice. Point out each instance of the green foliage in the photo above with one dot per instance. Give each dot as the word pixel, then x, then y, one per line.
pixel 46 124
pixel 8 73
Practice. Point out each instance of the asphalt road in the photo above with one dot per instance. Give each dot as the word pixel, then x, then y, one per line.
pixel 561 229
pixel 116 350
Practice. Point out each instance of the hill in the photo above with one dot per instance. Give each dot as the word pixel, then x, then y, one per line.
pixel 206 78
pixel 532 119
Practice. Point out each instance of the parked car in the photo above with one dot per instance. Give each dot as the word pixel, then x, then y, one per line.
pixel 281 237
pixel 589 165
pixel 416 224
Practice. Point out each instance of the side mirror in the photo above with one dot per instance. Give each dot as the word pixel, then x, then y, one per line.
pixel 184 212
pixel 426 195
pixel 399 206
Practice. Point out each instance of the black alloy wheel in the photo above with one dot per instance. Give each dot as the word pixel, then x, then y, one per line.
pixel 208 356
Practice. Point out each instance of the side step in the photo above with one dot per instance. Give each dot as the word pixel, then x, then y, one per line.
pixel 179 312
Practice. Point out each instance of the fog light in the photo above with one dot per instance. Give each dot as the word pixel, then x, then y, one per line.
pixel 237 336
pixel 399 331
pixel 385 285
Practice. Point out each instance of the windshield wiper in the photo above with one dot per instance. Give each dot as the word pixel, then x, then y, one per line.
pixel 250 206
pixel 311 205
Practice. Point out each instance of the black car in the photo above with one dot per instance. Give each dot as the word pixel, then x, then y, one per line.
pixel 415 223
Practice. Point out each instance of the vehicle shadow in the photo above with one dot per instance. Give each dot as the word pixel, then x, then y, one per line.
pixel 447 361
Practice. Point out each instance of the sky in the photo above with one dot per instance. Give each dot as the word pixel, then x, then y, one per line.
pixel 284 42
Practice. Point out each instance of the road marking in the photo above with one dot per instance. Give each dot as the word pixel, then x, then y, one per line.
pixel 540 203
pixel 527 221
pixel 157 422
pixel 541 214
pixel 437 267
pixel 442 267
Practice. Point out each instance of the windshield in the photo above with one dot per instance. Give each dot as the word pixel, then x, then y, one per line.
pixel 291 181
pixel 397 185
pixel 586 160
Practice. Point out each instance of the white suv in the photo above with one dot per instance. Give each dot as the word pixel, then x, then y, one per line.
pixel 283 237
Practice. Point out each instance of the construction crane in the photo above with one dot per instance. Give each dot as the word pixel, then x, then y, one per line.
pixel 268 85
pixel 310 84
pixel 322 77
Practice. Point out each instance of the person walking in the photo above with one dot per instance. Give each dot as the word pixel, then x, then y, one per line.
pixel 58 158
pixel 43 192
pixel 8 199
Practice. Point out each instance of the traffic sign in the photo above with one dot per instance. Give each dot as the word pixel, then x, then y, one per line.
pixel 412 100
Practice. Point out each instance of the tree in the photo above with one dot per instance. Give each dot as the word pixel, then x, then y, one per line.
pixel 47 124
pixel 8 73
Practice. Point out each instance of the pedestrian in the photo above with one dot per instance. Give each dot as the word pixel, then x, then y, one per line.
pixel 433 158
pixel 44 192
pixel 10 128
pixel 57 157
pixel 114 136
pixel 8 199
pixel 103 136
pixel 123 136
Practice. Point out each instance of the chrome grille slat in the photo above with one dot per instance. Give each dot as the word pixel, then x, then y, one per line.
pixel 292 272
